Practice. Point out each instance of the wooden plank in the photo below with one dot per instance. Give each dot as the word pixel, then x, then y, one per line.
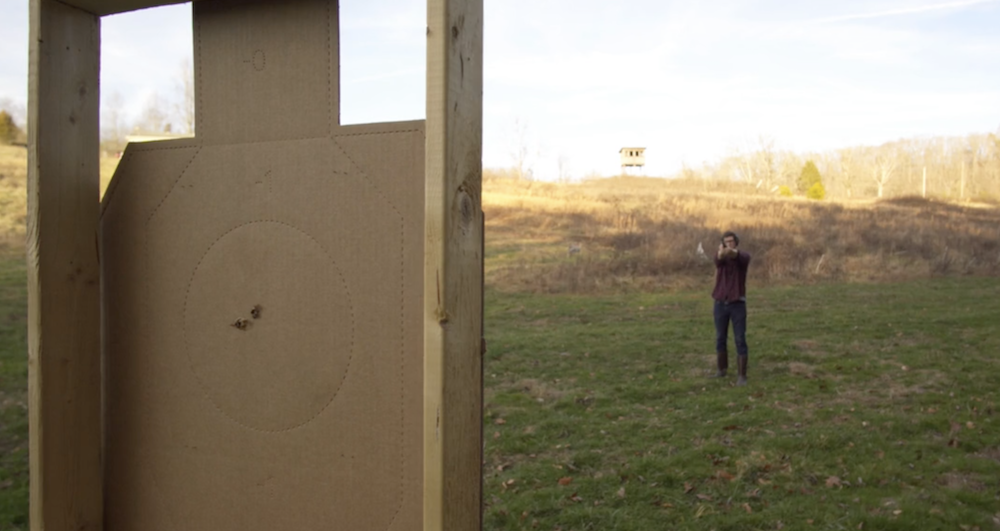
pixel 453 267
pixel 64 369
pixel 110 7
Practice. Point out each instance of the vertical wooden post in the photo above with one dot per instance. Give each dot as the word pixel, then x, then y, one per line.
pixel 453 267
pixel 64 369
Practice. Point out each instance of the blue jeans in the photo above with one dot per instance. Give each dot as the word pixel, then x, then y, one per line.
pixel 737 313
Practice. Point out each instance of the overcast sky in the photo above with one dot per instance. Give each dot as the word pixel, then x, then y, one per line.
pixel 690 81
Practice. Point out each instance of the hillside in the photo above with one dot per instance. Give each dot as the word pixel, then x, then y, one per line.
pixel 642 233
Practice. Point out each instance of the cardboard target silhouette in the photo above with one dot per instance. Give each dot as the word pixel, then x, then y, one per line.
pixel 281 326
pixel 262 296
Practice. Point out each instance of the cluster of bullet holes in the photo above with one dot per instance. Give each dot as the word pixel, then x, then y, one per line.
pixel 244 324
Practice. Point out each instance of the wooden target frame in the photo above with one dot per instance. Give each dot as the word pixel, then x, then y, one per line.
pixel 92 379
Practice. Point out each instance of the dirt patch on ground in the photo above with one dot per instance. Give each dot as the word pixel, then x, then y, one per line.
pixel 797 368
pixel 959 481
pixel 538 389
pixel 808 347
pixel 887 386
pixel 990 453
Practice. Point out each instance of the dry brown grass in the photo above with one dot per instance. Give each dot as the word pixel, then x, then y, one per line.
pixel 644 233
pixel 958 481
pixel 14 192
pixel 13 195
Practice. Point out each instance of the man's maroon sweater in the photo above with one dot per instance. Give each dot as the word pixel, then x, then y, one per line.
pixel 731 277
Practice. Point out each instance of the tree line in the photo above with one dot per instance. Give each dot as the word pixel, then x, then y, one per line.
pixel 161 114
pixel 12 120
pixel 170 112
pixel 960 168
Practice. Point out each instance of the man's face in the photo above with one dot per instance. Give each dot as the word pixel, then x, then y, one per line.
pixel 730 242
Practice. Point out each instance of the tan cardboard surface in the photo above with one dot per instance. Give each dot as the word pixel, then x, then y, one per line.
pixel 261 297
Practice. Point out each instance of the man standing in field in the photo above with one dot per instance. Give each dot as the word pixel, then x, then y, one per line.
pixel 730 296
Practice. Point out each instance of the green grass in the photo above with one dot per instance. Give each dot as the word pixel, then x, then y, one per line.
pixel 868 405
pixel 13 392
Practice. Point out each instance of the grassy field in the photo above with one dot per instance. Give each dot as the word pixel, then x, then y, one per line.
pixel 873 392
pixel 870 406
pixel 13 392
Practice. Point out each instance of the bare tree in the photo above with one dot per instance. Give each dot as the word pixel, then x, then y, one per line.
pixel 755 161
pixel 563 163
pixel 745 166
pixel 112 127
pixel 153 118
pixel 728 169
pixel 16 111
pixel 521 153
pixel 789 168
pixel 850 166
pixel 185 107
pixel 886 162
pixel 763 161
pixel 994 164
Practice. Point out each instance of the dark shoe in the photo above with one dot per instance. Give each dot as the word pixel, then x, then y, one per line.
pixel 741 364
pixel 722 361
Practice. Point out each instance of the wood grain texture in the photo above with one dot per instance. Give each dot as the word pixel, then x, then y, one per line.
pixel 64 369
pixel 453 267
pixel 110 7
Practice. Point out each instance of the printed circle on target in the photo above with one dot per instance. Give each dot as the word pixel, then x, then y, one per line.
pixel 269 326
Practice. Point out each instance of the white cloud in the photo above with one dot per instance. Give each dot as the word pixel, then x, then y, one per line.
pixel 909 10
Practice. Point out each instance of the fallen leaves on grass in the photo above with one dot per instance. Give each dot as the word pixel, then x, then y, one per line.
pixel 565 481
pixel 688 487
pixel 833 481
